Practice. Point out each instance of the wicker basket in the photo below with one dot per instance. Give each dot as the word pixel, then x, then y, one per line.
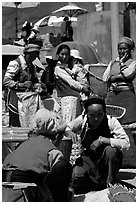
pixel 129 156
pixel 115 111
pixel 97 85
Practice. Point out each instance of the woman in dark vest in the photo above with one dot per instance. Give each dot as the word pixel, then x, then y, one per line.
pixel 68 90
pixel 120 74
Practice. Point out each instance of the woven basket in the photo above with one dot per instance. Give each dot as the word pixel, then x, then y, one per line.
pixel 97 85
pixel 116 111
pixel 129 156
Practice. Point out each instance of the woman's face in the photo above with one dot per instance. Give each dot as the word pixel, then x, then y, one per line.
pixel 95 114
pixel 64 56
pixel 123 50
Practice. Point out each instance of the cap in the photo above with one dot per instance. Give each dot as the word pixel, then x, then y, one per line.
pixel 75 53
pixel 31 48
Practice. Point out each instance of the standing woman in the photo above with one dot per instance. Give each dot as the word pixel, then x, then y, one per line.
pixel 69 91
pixel 120 74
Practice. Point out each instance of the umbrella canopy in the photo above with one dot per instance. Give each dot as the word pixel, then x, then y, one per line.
pixel 87 52
pixel 42 22
pixel 20 4
pixel 54 21
pixel 12 50
pixel 57 21
pixel 70 10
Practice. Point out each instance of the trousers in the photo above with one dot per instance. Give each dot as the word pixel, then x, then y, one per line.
pixel 51 186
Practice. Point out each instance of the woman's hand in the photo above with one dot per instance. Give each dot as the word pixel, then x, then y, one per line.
pixel 85 90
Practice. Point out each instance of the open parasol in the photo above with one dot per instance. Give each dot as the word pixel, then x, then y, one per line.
pixel 70 10
pixel 19 5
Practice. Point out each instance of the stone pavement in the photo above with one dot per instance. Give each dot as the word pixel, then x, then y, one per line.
pixel 126 177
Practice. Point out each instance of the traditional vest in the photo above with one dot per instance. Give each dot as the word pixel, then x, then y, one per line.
pixel 31 155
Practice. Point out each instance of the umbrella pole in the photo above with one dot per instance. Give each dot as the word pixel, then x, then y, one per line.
pixel 16 19
pixel 16 24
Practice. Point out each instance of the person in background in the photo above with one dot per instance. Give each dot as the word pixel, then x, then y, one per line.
pixel 69 32
pixel 120 74
pixel 26 31
pixel 64 27
pixel 102 139
pixel 68 89
pixel 32 37
pixel 48 76
pixel 21 76
pixel 37 160
pixel 78 71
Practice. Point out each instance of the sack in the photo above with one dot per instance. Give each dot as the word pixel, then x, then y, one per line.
pixel 28 104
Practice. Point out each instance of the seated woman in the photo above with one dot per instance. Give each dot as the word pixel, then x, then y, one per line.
pixel 38 161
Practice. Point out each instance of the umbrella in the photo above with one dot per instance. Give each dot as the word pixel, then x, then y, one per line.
pixel 57 21
pixel 87 52
pixel 54 21
pixel 12 50
pixel 70 10
pixel 19 5
pixel 42 22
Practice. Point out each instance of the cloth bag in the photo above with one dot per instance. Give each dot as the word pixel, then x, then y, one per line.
pixel 28 104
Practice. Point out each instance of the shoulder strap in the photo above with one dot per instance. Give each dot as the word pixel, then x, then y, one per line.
pixel 18 61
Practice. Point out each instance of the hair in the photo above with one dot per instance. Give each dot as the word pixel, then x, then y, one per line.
pixel 66 18
pixel 61 47
pixel 95 99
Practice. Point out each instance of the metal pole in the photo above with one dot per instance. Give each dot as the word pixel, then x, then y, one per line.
pixel 114 28
pixel 16 19
pixel 16 23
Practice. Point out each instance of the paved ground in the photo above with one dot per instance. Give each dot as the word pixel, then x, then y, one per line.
pixel 126 177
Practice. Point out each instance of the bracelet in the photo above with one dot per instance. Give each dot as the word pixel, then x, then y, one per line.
pixel 100 139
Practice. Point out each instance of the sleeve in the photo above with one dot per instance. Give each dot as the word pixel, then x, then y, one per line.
pixel 12 70
pixel 53 157
pixel 120 138
pixel 75 125
pixel 67 78
pixel 129 72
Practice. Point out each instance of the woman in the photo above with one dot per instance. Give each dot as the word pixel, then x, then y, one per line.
pixel 69 91
pixel 120 74
pixel 38 161
pixel 103 140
